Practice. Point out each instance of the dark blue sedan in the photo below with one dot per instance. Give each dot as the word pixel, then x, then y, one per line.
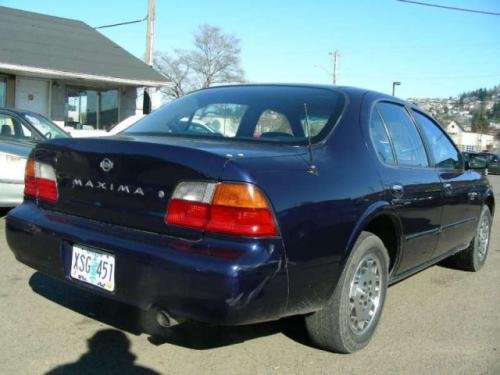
pixel 243 204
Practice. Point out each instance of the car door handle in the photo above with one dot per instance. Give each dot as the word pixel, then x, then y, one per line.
pixel 473 195
pixel 448 188
pixel 397 190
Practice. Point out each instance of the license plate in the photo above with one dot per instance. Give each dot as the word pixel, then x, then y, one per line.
pixel 93 267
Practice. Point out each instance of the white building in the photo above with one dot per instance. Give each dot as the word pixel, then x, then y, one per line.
pixel 469 141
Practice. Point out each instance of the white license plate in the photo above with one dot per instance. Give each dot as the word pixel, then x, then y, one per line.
pixel 93 266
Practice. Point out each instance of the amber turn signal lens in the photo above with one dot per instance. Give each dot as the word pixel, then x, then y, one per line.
pixel 238 195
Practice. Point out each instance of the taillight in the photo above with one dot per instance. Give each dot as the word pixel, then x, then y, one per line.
pixel 231 208
pixel 190 204
pixel 40 181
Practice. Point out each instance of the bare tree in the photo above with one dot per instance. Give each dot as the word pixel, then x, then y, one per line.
pixel 215 59
pixel 177 72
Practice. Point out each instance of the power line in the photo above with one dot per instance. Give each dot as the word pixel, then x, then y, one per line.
pixel 121 23
pixel 450 8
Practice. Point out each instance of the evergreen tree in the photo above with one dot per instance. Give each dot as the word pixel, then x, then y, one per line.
pixel 495 112
pixel 480 121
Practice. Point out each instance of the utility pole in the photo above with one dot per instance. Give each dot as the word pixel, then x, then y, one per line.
pixel 148 57
pixel 150 19
pixel 335 55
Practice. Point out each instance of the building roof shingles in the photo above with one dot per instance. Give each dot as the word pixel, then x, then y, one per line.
pixel 47 42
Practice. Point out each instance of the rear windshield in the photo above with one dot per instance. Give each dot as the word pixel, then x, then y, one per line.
pixel 281 114
pixel 48 129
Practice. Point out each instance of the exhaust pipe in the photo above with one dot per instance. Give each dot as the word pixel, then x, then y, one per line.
pixel 165 320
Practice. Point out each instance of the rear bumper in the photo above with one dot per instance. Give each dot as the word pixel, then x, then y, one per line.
pixel 11 193
pixel 215 280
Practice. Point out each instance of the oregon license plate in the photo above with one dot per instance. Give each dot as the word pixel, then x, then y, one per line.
pixel 93 267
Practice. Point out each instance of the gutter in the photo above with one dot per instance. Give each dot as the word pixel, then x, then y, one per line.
pixel 62 74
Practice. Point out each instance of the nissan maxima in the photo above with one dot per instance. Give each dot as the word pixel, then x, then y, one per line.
pixel 243 204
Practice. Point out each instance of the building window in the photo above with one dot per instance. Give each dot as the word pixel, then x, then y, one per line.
pixel 91 109
pixel 108 109
pixel 3 92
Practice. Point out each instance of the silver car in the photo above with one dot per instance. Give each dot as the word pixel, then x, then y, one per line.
pixel 20 131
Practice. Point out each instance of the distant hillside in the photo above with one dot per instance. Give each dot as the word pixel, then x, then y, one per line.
pixel 477 110
pixel 480 94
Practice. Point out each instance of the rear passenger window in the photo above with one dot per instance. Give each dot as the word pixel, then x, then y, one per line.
pixel 380 139
pixel 445 155
pixel 408 145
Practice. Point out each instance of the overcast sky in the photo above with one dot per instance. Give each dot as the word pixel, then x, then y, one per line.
pixel 433 52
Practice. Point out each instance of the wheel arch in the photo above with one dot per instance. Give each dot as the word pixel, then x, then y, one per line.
pixel 489 200
pixel 383 221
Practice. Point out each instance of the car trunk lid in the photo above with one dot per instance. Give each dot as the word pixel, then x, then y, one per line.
pixel 129 180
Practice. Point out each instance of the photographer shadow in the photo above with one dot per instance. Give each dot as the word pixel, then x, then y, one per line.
pixel 108 353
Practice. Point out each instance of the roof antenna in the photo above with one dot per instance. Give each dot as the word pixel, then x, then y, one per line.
pixel 312 168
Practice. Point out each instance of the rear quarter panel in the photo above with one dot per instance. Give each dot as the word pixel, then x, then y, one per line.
pixel 11 192
pixel 318 214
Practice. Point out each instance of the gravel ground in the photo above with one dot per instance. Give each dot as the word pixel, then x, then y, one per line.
pixel 439 321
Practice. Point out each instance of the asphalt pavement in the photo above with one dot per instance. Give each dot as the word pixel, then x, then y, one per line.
pixel 440 321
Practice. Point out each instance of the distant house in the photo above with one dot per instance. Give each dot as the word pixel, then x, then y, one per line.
pixel 469 141
pixel 68 71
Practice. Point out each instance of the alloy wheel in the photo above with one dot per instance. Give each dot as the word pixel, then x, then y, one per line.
pixel 483 236
pixel 365 294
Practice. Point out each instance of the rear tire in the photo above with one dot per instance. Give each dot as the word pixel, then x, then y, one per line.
pixel 349 318
pixel 473 258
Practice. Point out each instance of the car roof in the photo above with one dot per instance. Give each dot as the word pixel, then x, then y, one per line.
pixel 18 111
pixel 350 90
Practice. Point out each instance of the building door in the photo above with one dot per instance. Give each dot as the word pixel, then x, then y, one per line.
pixel 33 95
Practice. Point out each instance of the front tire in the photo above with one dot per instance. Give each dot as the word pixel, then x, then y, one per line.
pixel 473 258
pixel 348 321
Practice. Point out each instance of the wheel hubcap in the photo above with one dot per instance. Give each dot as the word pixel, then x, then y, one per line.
pixel 364 294
pixel 483 235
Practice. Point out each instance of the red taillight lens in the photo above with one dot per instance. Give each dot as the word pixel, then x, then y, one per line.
pixel 40 181
pixel 187 214
pixel 190 204
pixel 254 222
pixel 47 190
pixel 30 179
pixel 231 208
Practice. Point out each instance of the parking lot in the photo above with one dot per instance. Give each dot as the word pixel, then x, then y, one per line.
pixel 438 321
